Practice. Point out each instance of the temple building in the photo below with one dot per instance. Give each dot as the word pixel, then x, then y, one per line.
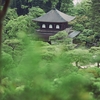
pixel 52 22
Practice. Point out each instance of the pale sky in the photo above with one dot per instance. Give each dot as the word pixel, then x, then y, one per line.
pixel 76 1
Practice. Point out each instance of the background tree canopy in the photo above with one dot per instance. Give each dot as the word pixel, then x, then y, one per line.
pixel 23 5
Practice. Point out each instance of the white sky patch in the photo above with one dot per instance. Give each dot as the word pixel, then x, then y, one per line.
pixel 76 1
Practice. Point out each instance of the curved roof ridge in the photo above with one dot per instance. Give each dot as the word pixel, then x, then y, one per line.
pixel 59 14
pixel 54 16
pixel 65 16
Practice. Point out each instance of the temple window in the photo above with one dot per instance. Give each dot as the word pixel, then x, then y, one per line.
pixel 57 27
pixel 43 26
pixel 50 26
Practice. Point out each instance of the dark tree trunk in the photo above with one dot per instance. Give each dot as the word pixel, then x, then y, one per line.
pixel 77 64
pixel 0 38
pixel 2 15
pixel 0 52
pixel 98 64
pixel 58 6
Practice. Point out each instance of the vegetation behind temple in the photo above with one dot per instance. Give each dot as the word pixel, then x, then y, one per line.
pixel 85 21
pixel 33 69
pixel 23 5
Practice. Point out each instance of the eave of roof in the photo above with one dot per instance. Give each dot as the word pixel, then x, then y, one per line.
pixel 74 34
pixel 54 16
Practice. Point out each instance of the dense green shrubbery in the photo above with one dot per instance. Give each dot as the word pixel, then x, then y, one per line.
pixel 45 71
pixel 50 78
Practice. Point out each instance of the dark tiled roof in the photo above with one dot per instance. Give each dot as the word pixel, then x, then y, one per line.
pixel 55 16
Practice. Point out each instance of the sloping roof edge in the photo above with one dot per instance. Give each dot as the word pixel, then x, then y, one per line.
pixel 74 34
pixel 54 15
pixel 66 17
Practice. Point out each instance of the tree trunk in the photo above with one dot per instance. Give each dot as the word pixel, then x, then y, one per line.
pixel 0 36
pixel 77 64
pixel 98 64
pixel 59 4
pixel 2 15
pixel 0 50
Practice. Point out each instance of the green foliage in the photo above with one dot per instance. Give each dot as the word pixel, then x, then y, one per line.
pixel 80 57
pixel 48 53
pixel 80 23
pixel 53 79
pixel 67 6
pixel 87 36
pixel 62 40
pixel 68 47
pixel 83 8
pixel 23 5
pixel 94 20
pixel 94 50
pixel 7 60
pixel 96 55
pixel 35 12
pixel 61 37
pixel 7 49
pixel 15 25
pixel 96 59
pixel 86 21
pixel 79 27
pixel 26 72
pixel 71 86
pixel 11 14
pixel 87 32
pixel 7 63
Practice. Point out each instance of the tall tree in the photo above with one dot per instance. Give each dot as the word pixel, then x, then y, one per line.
pixel 23 5
pixel 95 18
pixel 63 5
pixel 2 15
